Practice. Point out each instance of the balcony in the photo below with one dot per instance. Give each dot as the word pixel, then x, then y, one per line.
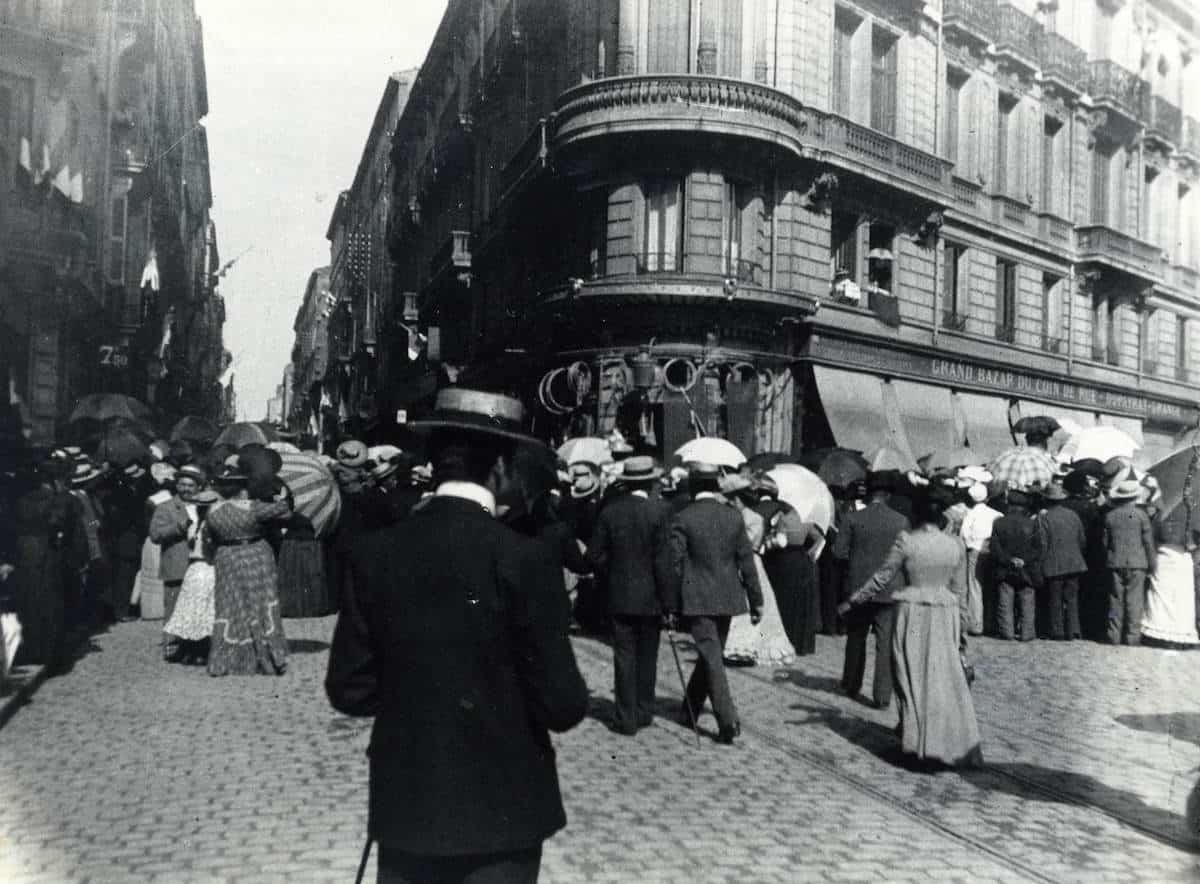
pixel 453 257
pixel 1150 366
pixel 1184 279
pixel 1053 229
pixel 56 26
pixel 1116 89
pixel 741 271
pixel 1019 37
pixel 1111 248
pixel 1064 64
pixel 692 106
pixel 1008 210
pixel 966 193
pixel 1105 354
pixel 1182 374
pixel 1164 121
pixel 975 20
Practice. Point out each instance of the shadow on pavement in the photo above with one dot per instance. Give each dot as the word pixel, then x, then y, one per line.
pixel 1178 725
pixel 810 681
pixel 306 646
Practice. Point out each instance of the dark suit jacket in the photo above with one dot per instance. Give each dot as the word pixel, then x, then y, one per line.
pixel 454 636
pixel 1017 536
pixel 1064 542
pixel 1128 538
pixel 168 528
pixel 865 537
pixel 630 536
pixel 711 567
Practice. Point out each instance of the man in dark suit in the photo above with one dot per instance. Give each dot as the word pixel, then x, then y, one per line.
pixel 863 543
pixel 712 575
pixel 1130 556
pixel 1016 555
pixel 1064 545
pixel 631 532
pixel 453 635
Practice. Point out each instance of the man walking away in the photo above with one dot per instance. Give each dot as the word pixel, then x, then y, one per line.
pixel 863 543
pixel 1064 543
pixel 1015 554
pixel 1130 555
pixel 453 635
pixel 630 534
pixel 712 568
pixel 976 534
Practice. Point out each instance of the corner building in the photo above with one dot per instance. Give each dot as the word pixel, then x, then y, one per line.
pixel 804 223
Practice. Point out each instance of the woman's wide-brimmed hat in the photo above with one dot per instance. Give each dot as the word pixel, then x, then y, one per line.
pixel 640 468
pixel 475 411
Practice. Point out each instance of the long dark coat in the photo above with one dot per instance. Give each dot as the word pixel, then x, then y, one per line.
pixel 627 551
pixel 712 562
pixel 453 636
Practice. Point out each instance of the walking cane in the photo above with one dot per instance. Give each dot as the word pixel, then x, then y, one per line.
pixel 362 866
pixel 679 668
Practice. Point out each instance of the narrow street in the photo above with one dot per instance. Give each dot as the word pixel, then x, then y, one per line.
pixel 126 769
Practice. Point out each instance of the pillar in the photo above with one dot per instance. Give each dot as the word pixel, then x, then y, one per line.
pixel 627 38
pixel 706 59
pixel 760 42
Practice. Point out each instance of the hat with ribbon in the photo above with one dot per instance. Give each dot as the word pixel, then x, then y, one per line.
pixel 736 484
pixel 192 471
pixel 383 460
pixel 1127 489
pixel 85 471
pixel 352 453
pixel 229 472
pixel 640 468
pixel 476 411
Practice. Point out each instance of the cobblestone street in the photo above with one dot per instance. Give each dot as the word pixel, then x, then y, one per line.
pixel 128 769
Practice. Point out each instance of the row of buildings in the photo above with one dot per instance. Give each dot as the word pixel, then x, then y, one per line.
pixel 792 223
pixel 108 258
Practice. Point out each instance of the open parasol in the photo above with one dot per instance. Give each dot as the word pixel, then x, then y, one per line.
pixel 586 449
pixel 1100 443
pixel 314 490
pixel 711 450
pixel 1178 476
pixel 1023 467
pixel 246 433
pixel 805 492
pixel 103 406
pixel 194 429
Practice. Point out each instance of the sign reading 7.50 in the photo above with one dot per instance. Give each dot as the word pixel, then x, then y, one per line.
pixel 114 356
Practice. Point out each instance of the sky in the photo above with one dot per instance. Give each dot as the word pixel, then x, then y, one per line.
pixel 292 86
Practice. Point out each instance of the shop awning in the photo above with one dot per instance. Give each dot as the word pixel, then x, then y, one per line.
pixel 853 404
pixel 985 419
pixel 927 417
pixel 1155 446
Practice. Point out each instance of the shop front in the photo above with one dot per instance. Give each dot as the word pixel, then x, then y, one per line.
pixel 863 396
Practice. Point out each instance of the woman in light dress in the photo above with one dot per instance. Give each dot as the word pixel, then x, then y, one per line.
pixel 766 642
pixel 1170 615
pixel 192 620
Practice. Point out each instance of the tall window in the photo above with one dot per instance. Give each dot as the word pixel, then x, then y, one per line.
pixel 845 24
pixel 1052 306
pixel 955 279
pixel 883 81
pixel 881 238
pixel 663 246
pixel 843 250
pixel 1101 173
pixel 1149 230
pixel 1050 129
pixel 729 58
pixel 16 122
pixel 1006 296
pixel 1181 348
pixel 598 234
pixel 731 228
pixel 669 37
pixel 1102 35
pixel 1004 119
pixel 954 87
pixel 1185 247
pixel 118 229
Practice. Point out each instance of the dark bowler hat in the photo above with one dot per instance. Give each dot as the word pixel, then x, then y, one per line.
pixel 881 480
pixel 1054 491
pixel 639 469
pixel 705 471
pixel 476 411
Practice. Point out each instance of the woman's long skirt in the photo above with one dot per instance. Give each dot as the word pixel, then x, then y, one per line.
pixel 248 633
pixel 793 576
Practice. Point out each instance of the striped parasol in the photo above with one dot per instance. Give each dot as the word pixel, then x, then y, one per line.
pixel 313 489
pixel 1023 467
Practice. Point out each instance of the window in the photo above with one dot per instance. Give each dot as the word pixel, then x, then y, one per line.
pixel 1149 230
pixel 1050 130
pixel 1006 298
pixel 954 88
pixel 881 239
pixel 843 246
pixel 1004 119
pixel 1184 248
pixel 1102 36
pixel 955 282
pixel 729 59
pixel 663 245
pixel 883 81
pixel 845 24
pixel 118 227
pixel 731 229
pixel 1052 307
pixel 1181 348
pixel 669 35
pixel 598 234
pixel 1101 171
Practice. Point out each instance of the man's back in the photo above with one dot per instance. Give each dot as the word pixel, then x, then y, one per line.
pixel 630 534
pixel 713 560
pixel 455 639
pixel 865 539
pixel 1128 540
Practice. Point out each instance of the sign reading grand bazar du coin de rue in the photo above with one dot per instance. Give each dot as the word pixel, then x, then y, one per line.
pixel 948 371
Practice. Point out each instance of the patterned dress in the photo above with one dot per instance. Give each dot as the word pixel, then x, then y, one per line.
pixel 767 642
pixel 248 633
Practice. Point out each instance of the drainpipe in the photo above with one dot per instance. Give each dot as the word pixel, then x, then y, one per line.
pixel 937 131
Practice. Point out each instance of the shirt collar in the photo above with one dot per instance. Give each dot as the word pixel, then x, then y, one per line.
pixel 640 493
pixel 709 495
pixel 469 491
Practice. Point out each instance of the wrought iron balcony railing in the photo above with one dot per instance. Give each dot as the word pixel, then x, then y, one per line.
pixel 1019 37
pixel 742 270
pixel 1162 118
pixel 976 19
pixel 1116 88
pixel 1064 63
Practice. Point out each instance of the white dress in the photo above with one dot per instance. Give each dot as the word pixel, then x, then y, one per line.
pixel 195 609
pixel 767 642
pixel 1170 614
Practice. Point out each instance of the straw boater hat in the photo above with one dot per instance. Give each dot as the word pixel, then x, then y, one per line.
pixel 385 460
pixel 1129 489
pixel 192 471
pixel 489 414
pixel 639 469
pixel 85 471
pixel 352 453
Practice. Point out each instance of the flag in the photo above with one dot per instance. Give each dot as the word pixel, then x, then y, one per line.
pixel 26 161
pixel 62 181
pixel 77 187
pixel 150 272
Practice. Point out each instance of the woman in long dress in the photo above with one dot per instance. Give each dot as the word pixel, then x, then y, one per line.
pixel 191 621
pixel 766 642
pixel 1170 615
pixel 247 636
pixel 791 567
pixel 303 589
pixel 937 717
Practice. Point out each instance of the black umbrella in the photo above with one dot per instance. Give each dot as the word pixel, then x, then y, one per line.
pixel 194 429
pixel 1037 425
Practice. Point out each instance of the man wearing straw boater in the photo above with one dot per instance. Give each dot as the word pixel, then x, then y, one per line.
pixel 453 636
